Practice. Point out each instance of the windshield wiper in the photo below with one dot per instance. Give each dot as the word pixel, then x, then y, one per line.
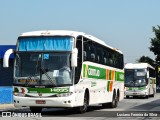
pixel 52 81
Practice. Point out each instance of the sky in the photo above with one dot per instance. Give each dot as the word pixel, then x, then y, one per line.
pixel 123 24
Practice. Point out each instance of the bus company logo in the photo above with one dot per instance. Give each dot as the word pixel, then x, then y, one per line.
pixel 93 72
pixel 40 94
pixel 60 90
pixel 121 76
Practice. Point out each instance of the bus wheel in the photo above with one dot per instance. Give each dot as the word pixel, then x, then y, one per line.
pixel 153 94
pixel 83 109
pixel 114 102
pixel 147 96
pixel 36 109
pixel 127 96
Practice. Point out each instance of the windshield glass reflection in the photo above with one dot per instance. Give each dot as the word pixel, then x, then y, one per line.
pixel 135 77
pixel 43 69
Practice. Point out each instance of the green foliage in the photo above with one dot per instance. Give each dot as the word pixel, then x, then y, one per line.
pixel 155 44
pixel 146 59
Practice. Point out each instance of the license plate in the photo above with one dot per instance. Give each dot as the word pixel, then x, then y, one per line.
pixel 40 102
pixel 134 93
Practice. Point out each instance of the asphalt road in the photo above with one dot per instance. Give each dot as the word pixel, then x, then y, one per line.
pixel 132 108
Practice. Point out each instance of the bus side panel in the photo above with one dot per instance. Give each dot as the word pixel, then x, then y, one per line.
pixel 101 80
pixel 79 91
pixel 152 85
pixel 98 92
pixel 119 87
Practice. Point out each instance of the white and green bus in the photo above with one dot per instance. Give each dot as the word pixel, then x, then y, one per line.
pixel 140 80
pixel 66 69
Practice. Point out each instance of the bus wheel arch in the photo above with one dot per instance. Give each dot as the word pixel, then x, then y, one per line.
pixel 114 102
pixel 84 107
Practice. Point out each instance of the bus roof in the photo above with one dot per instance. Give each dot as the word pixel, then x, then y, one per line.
pixel 137 65
pixel 66 33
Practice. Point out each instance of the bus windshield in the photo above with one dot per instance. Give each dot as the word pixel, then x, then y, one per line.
pixel 42 68
pixel 135 77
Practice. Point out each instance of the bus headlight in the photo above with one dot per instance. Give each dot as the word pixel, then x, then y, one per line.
pixel 64 94
pixel 19 94
pixel 126 88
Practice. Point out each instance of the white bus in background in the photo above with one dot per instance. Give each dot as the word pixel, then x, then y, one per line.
pixel 140 80
pixel 65 69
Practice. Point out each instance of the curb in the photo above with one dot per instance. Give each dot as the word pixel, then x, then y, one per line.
pixel 7 107
pixel 4 107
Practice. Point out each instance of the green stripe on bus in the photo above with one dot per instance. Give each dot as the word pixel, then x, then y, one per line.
pixel 48 90
pixel 95 72
pixel 100 73
pixel 119 76
pixel 45 90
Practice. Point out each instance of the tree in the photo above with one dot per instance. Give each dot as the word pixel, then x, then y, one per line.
pixel 146 59
pixel 155 44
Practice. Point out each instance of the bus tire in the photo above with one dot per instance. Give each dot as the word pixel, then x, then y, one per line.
pixel 127 96
pixel 153 94
pixel 36 109
pixel 83 109
pixel 147 96
pixel 114 102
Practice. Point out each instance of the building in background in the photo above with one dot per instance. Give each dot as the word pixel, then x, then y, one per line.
pixel 6 76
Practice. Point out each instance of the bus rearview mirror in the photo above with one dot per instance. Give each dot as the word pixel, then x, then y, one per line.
pixel 6 57
pixel 74 57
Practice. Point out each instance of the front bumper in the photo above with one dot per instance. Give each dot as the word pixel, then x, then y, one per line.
pixel 136 93
pixel 49 102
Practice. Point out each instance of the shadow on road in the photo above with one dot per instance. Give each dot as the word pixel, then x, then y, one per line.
pixel 60 112
pixel 70 112
pixel 148 106
pixel 136 97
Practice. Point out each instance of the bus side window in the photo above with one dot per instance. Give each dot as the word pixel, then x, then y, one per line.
pixel 120 62
pixel 104 57
pixel 109 60
pixel 105 61
pixel 89 53
pixel 84 55
pixel 99 54
pixel 92 57
pixel 114 60
pixel 85 51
